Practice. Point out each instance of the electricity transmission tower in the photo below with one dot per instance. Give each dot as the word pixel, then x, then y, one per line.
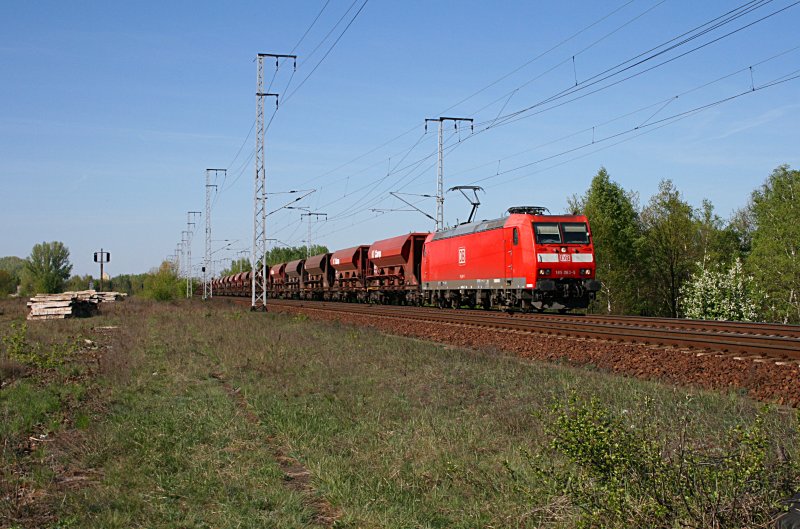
pixel 178 257
pixel 207 259
pixel 189 225
pixel 440 168
pixel 258 257
pixel 308 237
pixel 184 241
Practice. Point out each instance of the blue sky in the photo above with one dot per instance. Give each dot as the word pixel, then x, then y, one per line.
pixel 111 112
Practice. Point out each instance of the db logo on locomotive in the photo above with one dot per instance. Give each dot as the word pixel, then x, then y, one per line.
pixel 564 257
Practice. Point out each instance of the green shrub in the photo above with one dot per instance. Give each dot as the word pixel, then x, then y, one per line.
pixel 19 349
pixel 622 478
pixel 163 284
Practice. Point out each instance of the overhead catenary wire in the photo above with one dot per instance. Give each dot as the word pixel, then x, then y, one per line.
pixel 310 26
pixel 306 78
pixel 625 66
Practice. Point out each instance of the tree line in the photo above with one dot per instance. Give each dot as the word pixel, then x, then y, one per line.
pixel 668 258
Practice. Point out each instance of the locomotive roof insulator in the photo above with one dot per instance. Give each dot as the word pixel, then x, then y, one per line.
pixel 528 210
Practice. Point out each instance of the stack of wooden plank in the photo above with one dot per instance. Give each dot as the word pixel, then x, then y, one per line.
pixel 109 297
pixel 79 304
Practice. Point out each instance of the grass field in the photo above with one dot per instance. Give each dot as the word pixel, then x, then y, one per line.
pixel 205 415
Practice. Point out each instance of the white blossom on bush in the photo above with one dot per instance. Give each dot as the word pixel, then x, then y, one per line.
pixel 714 294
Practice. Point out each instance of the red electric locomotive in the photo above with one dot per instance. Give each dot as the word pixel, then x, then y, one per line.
pixel 527 260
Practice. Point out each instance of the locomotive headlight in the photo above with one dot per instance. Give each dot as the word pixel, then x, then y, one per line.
pixel 544 271
pixel 586 271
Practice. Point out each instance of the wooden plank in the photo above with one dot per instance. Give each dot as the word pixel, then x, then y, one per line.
pixel 51 304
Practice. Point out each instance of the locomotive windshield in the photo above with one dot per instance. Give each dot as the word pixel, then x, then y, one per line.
pixel 547 233
pixel 575 233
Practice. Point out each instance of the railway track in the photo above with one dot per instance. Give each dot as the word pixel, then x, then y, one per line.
pixel 757 341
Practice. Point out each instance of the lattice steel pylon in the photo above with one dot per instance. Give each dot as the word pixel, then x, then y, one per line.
pixel 440 167
pixel 189 229
pixel 207 291
pixel 258 257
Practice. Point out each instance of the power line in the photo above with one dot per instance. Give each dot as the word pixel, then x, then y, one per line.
pixel 311 26
pixel 663 122
pixel 621 67
pixel 288 97
pixel 553 48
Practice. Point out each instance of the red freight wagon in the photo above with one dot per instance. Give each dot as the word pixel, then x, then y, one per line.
pixel 246 282
pixel 295 276
pixel 351 266
pixel 277 277
pixel 396 268
pixel 237 280
pixel 526 260
pixel 321 276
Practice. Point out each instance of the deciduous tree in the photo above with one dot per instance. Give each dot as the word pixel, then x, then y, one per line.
pixel 615 229
pixel 775 256
pixel 7 284
pixel 720 244
pixel 47 268
pixel 670 247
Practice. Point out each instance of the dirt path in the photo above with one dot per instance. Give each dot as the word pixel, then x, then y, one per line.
pixel 297 476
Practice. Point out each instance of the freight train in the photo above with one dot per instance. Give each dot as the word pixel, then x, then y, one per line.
pixel 526 260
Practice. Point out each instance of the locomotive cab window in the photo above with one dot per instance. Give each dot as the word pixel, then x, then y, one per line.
pixel 516 236
pixel 575 233
pixel 547 233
